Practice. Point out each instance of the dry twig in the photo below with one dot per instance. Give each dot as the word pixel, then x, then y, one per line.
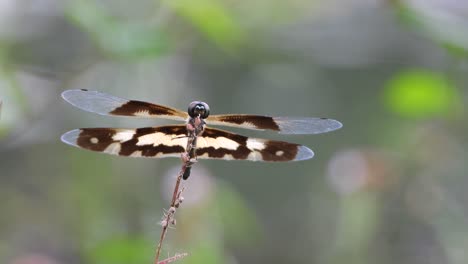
pixel 195 128
pixel 172 259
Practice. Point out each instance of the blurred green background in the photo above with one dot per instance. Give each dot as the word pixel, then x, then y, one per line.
pixel 389 187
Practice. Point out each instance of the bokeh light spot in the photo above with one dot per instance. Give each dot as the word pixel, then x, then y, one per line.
pixel 420 94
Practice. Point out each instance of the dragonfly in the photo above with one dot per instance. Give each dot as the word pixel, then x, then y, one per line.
pixel 171 140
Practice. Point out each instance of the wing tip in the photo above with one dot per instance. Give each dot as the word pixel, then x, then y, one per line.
pixel 92 101
pixel 307 125
pixel 304 153
pixel 71 95
pixel 66 94
pixel 336 124
pixel 70 137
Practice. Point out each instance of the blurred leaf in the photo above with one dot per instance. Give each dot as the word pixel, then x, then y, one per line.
pixel 356 227
pixel 117 38
pixel 123 251
pixel 420 94
pixel 206 252
pixel 13 103
pixel 211 18
pixel 240 224
pixel 440 20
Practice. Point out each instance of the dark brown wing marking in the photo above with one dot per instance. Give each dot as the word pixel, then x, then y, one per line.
pixel 105 104
pixel 220 144
pixel 165 141
pixel 140 108
pixel 170 141
pixel 255 121
pixel 283 125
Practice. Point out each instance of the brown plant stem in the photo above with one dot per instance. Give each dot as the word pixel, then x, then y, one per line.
pixel 187 159
pixel 170 213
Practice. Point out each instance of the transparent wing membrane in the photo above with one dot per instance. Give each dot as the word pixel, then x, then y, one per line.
pixel 105 104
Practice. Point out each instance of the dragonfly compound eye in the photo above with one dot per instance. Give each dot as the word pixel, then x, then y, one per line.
pixel 197 108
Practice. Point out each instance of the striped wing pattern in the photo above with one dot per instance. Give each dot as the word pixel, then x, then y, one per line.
pixel 170 141
pixel 282 125
pixel 105 104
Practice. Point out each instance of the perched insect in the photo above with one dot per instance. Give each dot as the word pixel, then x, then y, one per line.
pixel 171 140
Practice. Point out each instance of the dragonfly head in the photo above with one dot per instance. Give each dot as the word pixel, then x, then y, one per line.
pixel 197 108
